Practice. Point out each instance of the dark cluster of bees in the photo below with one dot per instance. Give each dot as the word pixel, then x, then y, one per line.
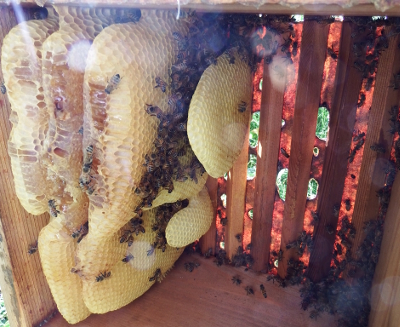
pixel 163 215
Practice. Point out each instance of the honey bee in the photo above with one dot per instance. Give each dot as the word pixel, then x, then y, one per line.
pixel 332 53
pixel 161 84
pixel 362 100
pixel 263 291
pixel 315 217
pixel 151 251
pixel 236 280
pixel 132 16
pixel 224 221
pixel 208 253
pixel 32 248
pixel 358 137
pixel 368 83
pixel 286 44
pixel 128 258
pixel 81 232
pixel 378 148
pixel 112 84
pixel 249 290
pixel 242 106
pixel 3 88
pixel 103 276
pixel 139 211
pixel 40 14
pixel 348 204
pixel 88 159
pixel 336 209
pixel 211 60
pixel 52 208
pixel 156 276
pixel 154 111
pixel 125 236
pixel 182 127
pixel 182 41
pixel 180 67
pixel 283 151
pixel 280 255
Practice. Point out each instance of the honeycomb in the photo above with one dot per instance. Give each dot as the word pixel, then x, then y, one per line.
pixel 56 249
pixel 22 71
pixel 116 124
pixel 63 67
pixel 79 102
pixel 216 128
pixel 192 222
pixel 128 280
pixel 182 190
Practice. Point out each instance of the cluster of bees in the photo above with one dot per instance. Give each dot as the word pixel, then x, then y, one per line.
pixel 135 228
pixel 163 215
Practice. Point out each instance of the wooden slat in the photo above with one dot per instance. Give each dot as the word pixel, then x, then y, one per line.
pixel 342 117
pixel 26 294
pixel 235 199
pixel 311 66
pixel 312 8
pixel 207 297
pixel 209 238
pixel 372 175
pixel 385 301
pixel 267 158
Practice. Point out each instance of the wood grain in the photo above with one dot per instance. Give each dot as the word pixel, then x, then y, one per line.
pixel 363 7
pixel 311 66
pixel 342 117
pixel 208 240
pixel 385 301
pixel 372 174
pixel 235 199
pixel 207 297
pixel 26 294
pixel 267 158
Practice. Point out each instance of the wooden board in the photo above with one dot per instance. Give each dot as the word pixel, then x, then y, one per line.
pixel 385 301
pixel 208 240
pixel 372 173
pixel 266 170
pixel 344 105
pixel 311 8
pixel 207 297
pixel 311 66
pixel 235 199
pixel 26 294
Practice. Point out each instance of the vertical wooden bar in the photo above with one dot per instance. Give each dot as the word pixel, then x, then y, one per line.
pixel 208 239
pixel 235 199
pixel 385 300
pixel 372 175
pixel 344 106
pixel 267 158
pixel 312 58
pixel 26 294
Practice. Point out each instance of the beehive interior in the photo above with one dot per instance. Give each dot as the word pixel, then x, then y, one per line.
pixel 361 154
